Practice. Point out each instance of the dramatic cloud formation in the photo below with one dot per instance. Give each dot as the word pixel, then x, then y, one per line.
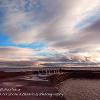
pixel 68 28
pixel 14 53
pixel 49 21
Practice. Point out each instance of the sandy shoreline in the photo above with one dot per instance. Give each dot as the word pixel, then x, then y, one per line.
pixel 35 90
pixel 71 86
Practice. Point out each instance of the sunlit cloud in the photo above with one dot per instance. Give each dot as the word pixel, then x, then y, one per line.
pixel 15 53
pixel 69 29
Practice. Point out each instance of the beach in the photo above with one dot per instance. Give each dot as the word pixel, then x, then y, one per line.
pixel 27 87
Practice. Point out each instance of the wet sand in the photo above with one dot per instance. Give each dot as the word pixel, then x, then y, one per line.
pixel 81 87
pixel 69 86
pixel 35 90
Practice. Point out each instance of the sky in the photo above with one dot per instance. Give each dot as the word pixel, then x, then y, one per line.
pixel 50 30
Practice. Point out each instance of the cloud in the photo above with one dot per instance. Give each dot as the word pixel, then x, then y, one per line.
pixel 88 36
pixel 67 27
pixel 91 33
pixel 61 30
pixel 15 53
pixel 29 21
pixel 46 20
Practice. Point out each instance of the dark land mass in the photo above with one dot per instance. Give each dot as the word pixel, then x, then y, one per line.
pixel 13 74
pixel 32 89
pixel 77 85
